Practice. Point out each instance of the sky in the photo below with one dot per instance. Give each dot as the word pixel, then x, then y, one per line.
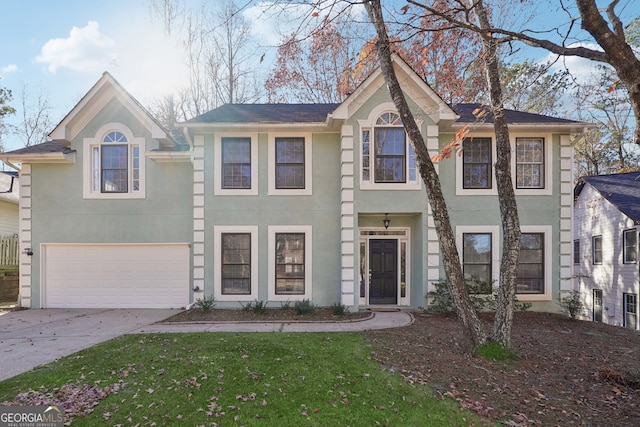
pixel 60 48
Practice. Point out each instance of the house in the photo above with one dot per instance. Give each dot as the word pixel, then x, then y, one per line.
pixel 280 203
pixel 605 255
pixel 9 195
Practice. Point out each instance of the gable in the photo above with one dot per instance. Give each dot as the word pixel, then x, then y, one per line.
pixel 414 88
pixel 99 96
pixel 621 190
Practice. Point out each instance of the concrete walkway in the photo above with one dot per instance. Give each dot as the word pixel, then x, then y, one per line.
pixel 378 320
pixel 30 338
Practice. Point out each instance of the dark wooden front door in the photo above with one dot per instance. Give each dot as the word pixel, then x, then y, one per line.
pixel 383 271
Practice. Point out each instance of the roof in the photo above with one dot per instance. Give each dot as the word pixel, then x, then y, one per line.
pixel 267 113
pixel 622 190
pixel 317 113
pixel 44 148
pixel 513 116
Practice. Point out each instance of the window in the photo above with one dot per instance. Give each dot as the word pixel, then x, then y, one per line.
pixel 290 275
pixel 236 263
pixel 530 163
pixel 477 260
pixel 387 158
pixel 113 167
pixel 630 308
pixel 596 243
pixel 236 163
pixel 476 163
pixel 597 305
pixel 630 246
pixel 289 163
pixel 530 275
pixel 576 251
pixel 290 263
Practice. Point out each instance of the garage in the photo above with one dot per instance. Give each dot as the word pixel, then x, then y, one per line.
pixel 115 276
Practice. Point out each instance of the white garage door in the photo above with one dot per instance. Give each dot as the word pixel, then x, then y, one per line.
pixel 116 276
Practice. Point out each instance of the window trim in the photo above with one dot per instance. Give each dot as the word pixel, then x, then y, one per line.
pixel 217 262
pixel 625 304
pixel 218 190
pixel 625 247
pixel 89 144
pixel 308 257
pixel 308 165
pixel 369 124
pixel 594 261
pixel 494 230
pixel 548 165
pixel 547 261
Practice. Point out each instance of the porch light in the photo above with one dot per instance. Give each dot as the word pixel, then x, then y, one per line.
pixel 28 251
pixel 386 221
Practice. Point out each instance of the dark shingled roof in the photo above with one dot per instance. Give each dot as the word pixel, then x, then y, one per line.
pixel 622 190
pixel 44 148
pixel 465 111
pixel 267 113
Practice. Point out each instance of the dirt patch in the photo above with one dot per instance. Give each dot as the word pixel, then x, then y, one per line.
pixel 322 314
pixel 570 373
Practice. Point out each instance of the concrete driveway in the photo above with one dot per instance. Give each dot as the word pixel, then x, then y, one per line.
pixel 29 338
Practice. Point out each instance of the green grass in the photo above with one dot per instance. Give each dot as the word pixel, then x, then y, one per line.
pixel 493 350
pixel 242 380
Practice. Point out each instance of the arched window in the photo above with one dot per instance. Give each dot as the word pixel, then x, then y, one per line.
pixel 386 155
pixel 115 166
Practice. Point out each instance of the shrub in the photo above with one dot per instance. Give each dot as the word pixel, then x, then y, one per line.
pixel 257 307
pixel 206 303
pixel 304 307
pixel 285 305
pixel 572 304
pixel 482 298
pixel 493 350
pixel 338 309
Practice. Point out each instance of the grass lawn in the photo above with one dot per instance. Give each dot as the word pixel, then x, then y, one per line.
pixel 225 379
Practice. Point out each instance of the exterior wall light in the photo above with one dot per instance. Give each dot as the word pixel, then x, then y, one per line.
pixel 386 221
pixel 28 251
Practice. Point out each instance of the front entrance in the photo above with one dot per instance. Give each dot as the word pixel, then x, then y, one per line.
pixel 383 271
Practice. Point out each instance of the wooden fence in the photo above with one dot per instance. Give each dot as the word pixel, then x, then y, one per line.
pixel 9 248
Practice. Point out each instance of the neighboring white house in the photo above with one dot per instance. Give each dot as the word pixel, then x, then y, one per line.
pixel 605 258
pixel 9 197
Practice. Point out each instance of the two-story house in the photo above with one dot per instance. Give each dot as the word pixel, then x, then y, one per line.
pixel 605 254
pixel 279 203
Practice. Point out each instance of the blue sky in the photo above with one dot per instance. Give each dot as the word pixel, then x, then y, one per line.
pixel 60 48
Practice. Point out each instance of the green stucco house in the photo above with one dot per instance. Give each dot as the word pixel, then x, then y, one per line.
pixel 279 203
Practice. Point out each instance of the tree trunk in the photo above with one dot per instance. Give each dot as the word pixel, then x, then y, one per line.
pixel 453 269
pixel 620 54
pixel 506 196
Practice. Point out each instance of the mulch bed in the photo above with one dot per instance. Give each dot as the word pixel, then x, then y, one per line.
pixel 320 314
pixel 570 372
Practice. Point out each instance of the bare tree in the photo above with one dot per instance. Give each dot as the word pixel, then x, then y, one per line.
pixel 36 122
pixel 451 260
pixel 608 33
pixel 5 110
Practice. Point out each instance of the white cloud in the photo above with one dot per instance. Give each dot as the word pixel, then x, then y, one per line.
pixel 85 50
pixel 581 69
pixel 8 69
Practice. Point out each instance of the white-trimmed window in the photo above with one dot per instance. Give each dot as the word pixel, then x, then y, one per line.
pixel 236 263
pixel 480 246
pixel 387 158
pixel 290 164
pixel 113 164
pixel 533 276
pixel 290 255
pixel 530 170
pixel 477 164
pixel 236 165
pixel 630 310
pixel 596 249
pixel 630 246
pixel 531 165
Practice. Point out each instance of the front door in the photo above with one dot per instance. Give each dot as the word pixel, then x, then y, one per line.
pixel 383 271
